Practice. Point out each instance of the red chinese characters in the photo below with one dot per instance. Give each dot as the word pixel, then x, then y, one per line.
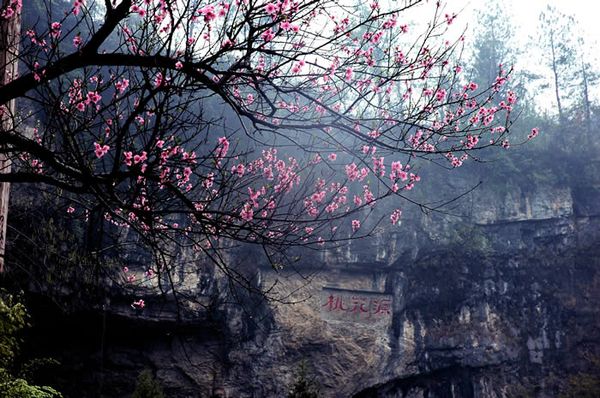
pixel 335 303
pixel 357 306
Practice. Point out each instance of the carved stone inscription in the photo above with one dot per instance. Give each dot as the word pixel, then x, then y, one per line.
pixel 356 306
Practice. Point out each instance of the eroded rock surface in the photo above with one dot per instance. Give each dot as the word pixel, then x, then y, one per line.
pixel 502 300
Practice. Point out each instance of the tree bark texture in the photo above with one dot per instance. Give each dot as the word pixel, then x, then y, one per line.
pixel 9 47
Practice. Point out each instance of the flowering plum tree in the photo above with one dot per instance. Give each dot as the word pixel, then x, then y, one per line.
pixel 267 122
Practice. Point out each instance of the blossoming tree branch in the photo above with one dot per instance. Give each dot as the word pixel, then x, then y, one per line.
pixel 276 123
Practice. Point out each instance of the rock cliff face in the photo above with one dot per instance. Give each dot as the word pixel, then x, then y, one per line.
pixel 501 301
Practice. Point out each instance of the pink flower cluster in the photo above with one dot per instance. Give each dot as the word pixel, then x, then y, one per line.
pixel 55 29
pixel 77 6
pixel 100 150
pixel 534 133
pixel 395 216
pixel 138 305
pixel 12 8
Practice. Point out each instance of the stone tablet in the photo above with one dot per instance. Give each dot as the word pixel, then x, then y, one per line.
pixel 358 306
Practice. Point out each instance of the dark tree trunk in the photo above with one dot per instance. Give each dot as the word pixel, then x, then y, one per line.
pixel 9 47
pixel 586 102
pixel 561 117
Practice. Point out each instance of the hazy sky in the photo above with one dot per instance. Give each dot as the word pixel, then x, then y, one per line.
pixel 525 16
pixel 585 11
pixel 525 12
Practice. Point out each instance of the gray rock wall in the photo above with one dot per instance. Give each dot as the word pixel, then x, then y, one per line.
pixel 502 300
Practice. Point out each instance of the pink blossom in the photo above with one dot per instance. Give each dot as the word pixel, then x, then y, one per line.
pixel 239 169
pixel 209 181
pixel 122 85
pixel 368 196
pixel 374 134
pixel 224 9
pixel 222 148
pixel 70 209
pixel 227 43
pixel 77 41
pixel 138 10
pixel 158 79
pixel 318 197
pixel 298 66
pixel 379 166
pixel 94 97
pixel 534 132
pixel 271 9
pixel 352 171
pixel 397 172
pixel 268 35
pixel 100 150
pixel 511 97
pixel 128 158
pixel 55 29
pixel 12 8
pixel 138 305
pixel 355 225
pixel 247 213
pixel 390 23
pixel 349 74
pixel 440 94
pixel 140 158
pixel 395 216
pixel 208 12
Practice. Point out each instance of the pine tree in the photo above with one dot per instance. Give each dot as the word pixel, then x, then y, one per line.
pixel 147 386
pixel 303 386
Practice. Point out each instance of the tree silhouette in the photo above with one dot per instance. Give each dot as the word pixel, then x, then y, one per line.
pixel 205 124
